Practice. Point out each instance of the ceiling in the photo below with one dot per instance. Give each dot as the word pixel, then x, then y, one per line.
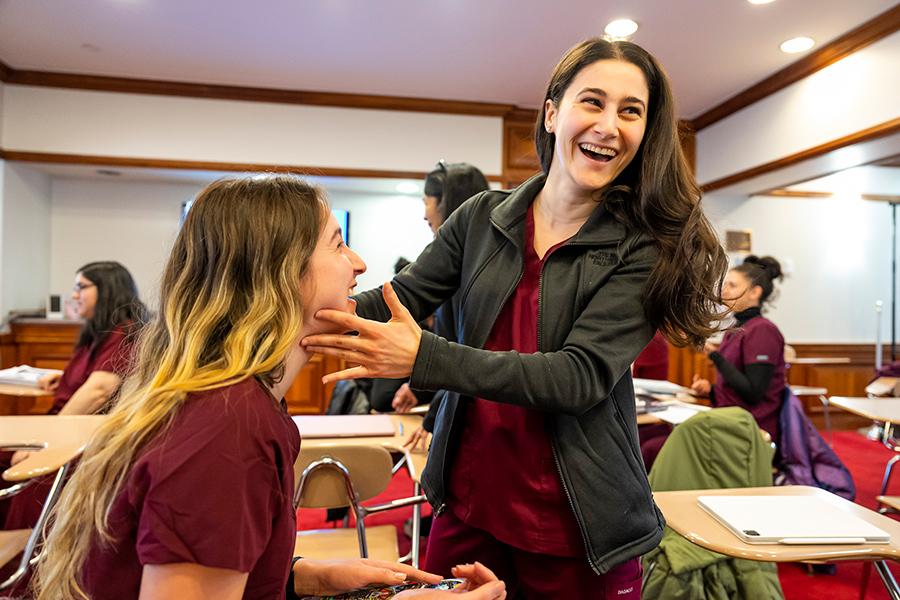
pixel 875 180
pixel 476 50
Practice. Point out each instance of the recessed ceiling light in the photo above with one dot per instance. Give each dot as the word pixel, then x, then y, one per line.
pixel 408 187
pixel 620 28
pixel 760 1
pixel 797 44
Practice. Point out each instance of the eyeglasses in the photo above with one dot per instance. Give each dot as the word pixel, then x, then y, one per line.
pixel 80 287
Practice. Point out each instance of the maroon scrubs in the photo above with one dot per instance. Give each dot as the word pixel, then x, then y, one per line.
pixel 214 489
pixel 507 506
pixel 756 341
pixel 653 361
pixel 113 355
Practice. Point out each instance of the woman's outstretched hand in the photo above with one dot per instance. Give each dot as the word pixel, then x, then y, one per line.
pixel 382 350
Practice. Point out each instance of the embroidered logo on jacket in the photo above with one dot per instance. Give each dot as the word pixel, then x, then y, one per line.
pixel 603 259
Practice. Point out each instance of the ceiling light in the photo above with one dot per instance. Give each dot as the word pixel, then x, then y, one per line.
pixel 620 28
pixel 797 44
pixel 760 1
pixel 408 187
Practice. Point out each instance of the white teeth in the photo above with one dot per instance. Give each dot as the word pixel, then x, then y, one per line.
pixel 599 149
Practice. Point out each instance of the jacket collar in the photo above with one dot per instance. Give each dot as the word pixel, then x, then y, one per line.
pixel 509 215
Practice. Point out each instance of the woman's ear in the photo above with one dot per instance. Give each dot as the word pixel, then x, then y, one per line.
pixel 549 116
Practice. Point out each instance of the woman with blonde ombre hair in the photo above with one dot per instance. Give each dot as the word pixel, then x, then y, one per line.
pixel 185 491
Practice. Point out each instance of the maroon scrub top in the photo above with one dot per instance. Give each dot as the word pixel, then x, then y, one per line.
pixel 504 479
pixel 214 489
pixel 113 354
pixel 757 341
pixel 653 361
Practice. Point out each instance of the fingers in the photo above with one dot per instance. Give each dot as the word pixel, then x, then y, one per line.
pixel 408 571
pixel 352 373
pixel 398 311
pixel 347 321
pixel 490 591
pixel 476 573
pixel 351 356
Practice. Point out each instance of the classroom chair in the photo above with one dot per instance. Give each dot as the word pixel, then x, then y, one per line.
pixel 345 475
pixel 19 433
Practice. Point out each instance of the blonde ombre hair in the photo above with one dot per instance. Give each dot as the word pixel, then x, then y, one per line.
pixel 230 308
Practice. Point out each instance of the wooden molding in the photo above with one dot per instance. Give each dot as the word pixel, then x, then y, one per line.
pixel 869 32
pixel 796 194
pixel 874 132
pixel 196 165
pixel 250 94
pixel 881 198
pixel 4 71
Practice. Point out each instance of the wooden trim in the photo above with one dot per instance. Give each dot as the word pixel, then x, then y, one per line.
pixel 881 198
pixel 250 94
pixel 197 165
pixel 4 71
pixel 874 132
pixel 796 194
pixel 868 33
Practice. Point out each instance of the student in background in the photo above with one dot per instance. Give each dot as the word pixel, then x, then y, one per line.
pixel 653 361
pixel 749 362
pixel 560 283
pixel 106 297
pixel 447 186
pixel 186 489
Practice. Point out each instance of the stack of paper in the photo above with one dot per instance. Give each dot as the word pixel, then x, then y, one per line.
pixel 24 375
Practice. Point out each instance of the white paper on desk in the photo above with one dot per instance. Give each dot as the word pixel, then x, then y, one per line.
pixel 24 375
pixel 659 386
pixel 678 413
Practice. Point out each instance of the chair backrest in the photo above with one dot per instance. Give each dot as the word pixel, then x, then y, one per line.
pixel 718 448
pixel 790 354
pixel 328 476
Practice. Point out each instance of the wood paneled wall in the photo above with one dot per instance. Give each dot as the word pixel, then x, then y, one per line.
pixel 50 344
pixel 847 379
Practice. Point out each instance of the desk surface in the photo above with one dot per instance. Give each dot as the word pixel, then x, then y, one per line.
pixel 884 410
pixel 805 390
pixel 684 515
pixel 63 438
pixel 22 390
pixel 821 360
pixel 404 425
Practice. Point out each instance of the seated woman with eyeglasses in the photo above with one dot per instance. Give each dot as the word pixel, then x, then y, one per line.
pixel 106 297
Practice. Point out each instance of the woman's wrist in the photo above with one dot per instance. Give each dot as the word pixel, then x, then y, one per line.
pixel 303 580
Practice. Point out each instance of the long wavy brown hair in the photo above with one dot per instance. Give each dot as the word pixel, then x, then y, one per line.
pixel 657 193
pixel 230 308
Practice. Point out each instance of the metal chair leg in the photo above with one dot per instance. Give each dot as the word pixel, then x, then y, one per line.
pixel 888 469
pixel 825 404
pixel 416 527
pixel 888 579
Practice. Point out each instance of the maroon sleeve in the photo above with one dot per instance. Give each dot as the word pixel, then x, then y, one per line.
pixel 764 345
pixel 114 354
pixel 207 498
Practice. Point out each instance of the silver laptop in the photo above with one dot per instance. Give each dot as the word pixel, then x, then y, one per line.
pixel 790 520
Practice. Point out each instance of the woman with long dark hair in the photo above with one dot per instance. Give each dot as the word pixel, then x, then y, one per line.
pixel 106 297
pixel 535 466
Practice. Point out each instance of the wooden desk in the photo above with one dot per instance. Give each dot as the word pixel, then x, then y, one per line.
pixel 820 360
pixel 62 437
pixel 881 410
pixel 684 515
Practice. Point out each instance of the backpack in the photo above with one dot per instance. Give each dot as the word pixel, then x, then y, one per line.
pixel 350 397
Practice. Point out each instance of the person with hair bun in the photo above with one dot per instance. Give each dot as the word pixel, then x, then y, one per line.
pixel 750 359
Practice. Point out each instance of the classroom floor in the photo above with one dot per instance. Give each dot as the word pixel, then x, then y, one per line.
pixel 865 459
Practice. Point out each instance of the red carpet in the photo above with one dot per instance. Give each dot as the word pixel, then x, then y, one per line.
pixel 864 458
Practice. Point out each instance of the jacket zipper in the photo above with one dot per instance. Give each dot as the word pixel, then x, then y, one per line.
pixel 582 528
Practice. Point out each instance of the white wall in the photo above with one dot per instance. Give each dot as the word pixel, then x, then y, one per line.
pixel 383 228
pixel 838 251
pixel 37 119
pixel 25 238
pixel 855 93
pixel 135 223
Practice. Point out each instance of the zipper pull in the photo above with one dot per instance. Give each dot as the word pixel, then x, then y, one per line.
pixel 437 511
